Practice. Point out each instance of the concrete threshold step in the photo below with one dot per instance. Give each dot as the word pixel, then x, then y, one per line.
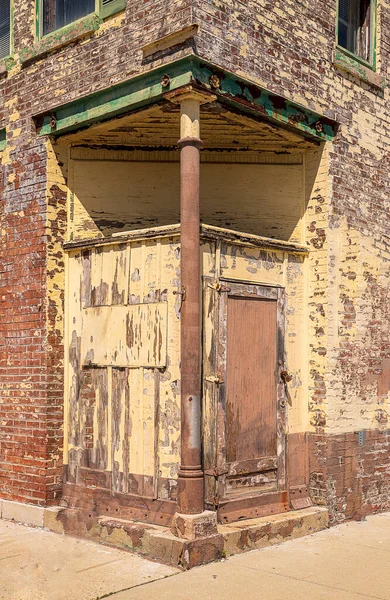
pixel 158 543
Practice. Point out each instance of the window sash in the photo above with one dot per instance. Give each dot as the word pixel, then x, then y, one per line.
pixel 355 28
pixel 5 28
pixel 55 14
pixel 59 13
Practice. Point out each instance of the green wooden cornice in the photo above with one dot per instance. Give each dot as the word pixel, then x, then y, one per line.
pixel 149 88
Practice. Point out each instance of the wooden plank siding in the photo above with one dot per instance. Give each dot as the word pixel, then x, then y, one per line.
pixel 123 392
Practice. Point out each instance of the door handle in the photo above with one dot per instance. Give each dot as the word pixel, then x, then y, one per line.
pixel 286 377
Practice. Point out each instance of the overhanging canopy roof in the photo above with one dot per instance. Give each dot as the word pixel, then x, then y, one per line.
pixel 236 93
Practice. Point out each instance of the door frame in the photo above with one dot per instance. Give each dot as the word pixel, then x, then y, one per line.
pixel 216 295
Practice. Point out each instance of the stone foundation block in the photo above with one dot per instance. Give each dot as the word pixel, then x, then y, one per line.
pixel 51 520
pixel 193 527
pixel 22 513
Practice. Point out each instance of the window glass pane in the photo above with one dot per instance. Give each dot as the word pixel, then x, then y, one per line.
pixel 354 27
pixel 5 27
pixel 58 13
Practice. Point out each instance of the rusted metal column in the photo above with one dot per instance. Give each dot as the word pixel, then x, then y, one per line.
pixel 190 479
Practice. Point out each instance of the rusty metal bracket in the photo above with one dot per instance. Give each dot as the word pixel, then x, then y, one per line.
pixel 286 377
pixel 218 287
pixel 182 293
pixel 214 379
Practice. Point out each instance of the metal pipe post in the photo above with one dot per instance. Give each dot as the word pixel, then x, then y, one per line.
pixel 190 478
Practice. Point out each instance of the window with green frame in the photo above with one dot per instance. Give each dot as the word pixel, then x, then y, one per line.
pixel 5 28
pixel 356 21
pixel 55 14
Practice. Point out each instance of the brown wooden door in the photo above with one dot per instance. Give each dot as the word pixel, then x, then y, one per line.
pixel 251 413
pixel 251 422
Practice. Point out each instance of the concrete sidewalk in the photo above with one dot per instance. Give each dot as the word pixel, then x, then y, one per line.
pixel 348 562
pixel 40 565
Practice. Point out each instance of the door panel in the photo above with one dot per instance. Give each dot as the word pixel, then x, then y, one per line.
pixel 251 379
pixel 250 404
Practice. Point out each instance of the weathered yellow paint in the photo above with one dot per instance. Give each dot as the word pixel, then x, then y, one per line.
pixel 282 197
pixel 54 310
pixel 190 117
pixel 150 189
pixel 257 265
pixel 108 196
pixel 109 420
pixel 319 327
pixel 360 404
pixel 125 336
pixel 141 277
pixel 283 269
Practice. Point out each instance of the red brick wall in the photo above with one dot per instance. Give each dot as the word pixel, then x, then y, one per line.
pixel 23 427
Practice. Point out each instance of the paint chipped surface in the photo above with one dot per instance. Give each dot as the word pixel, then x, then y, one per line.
pixel 123 406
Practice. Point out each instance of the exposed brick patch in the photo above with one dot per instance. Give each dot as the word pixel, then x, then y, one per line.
pixel 352 480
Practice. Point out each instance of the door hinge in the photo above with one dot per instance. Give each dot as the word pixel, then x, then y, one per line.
pixel 217 472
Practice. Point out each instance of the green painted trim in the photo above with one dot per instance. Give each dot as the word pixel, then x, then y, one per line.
pixel 355 58
pixel 37 20
pixel 3 140
pixel 374 34
pixel 251 98
pixel 373 50
pixel 12 31
pixel 9 62
pixel 9 56
pixel 111 9
pixel 147 89
pixel 60 37
pixel 131 95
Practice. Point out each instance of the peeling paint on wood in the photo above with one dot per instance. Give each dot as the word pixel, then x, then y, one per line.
pixel 123 329
pixel 125 336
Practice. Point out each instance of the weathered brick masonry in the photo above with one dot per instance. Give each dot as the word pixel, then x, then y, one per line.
pixel 33 222
pixel 352 479
pixel 288 48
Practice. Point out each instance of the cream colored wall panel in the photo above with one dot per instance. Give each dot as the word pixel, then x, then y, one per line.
pixel 296 341
pixel 207 253
pixel 101 276
pixel 72 356
pixel 261 199
pixel 125 336
pixel 108 196
pixel 169 378
pixel 136 434
pixel 148 421
pixel 257 265
pixel 114 195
